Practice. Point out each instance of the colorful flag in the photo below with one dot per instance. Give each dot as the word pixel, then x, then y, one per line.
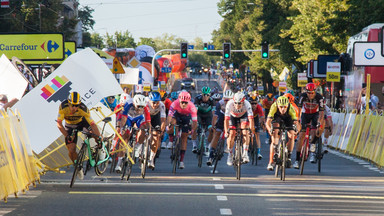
pixel 4 3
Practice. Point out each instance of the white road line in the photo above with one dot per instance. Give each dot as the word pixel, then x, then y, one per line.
pixel 219 187
pixel 222 198
pixel 225 211
pixel 216 179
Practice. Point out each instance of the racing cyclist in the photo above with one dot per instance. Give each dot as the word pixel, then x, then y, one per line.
pixel 218 121
pixel 238 111
pixel 258 117
pixel 312 111
pixel 77 117
pixel 181 112
pixel 281 112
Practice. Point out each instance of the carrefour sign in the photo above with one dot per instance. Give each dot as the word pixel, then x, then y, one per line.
pixel 33 46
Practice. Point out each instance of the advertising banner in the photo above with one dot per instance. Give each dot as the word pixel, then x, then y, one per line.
pixel 12 82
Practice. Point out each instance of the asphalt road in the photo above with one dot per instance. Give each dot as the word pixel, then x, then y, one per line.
pixel 346 186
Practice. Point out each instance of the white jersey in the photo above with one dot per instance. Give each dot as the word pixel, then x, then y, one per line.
pixel 327 111
pixel 230 110
pixel 160 108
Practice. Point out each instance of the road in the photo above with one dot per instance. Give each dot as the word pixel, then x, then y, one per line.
pixel 346 186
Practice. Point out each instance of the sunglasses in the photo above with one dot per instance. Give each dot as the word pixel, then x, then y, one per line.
pixel 184 102
pixel 283 107
pixel 254 103
pixel 75 105
pixel 238 103
pixel 140 107
pixel 155 102
pixel 311 92
pixel 207 95
pixel 226 100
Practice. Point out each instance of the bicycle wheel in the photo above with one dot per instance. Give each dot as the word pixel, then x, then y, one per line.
pixel 238 159
pixel 319 154
pixel 251 146
pixel 144 158
pixel 304 152
pixel 79 163
pixel 277 159
pixel 201 150
pixel 176 155
pixel 219 154
pixel 113 163
pixel 100 168
pixel 124 168
pixel 284 160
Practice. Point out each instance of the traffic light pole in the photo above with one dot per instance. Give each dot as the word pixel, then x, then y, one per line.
pixel 193 50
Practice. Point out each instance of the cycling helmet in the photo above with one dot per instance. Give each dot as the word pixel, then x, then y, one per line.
pixel 216 96
pixel 253 98
pixel 290 97
pixel 282 101
pixel 123 98
pixel 74 98
pixel 239 97
pixel 228 94
pixel 139 100
pixel 154 96
pixel 291 92
pixel 206 90
pixel 184 96
pixel 310 87
pixel 163 95
pixel 174 95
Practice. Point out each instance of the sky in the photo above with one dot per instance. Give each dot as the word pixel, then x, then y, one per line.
pixel 187 19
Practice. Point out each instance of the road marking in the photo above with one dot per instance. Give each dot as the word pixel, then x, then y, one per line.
pixel 230 194
pixel 222 198
pixel 219 187
pixel 216 179
pixel 225 212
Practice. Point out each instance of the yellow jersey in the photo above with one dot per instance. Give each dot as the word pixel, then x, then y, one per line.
pixel 76 117
pixel 291 112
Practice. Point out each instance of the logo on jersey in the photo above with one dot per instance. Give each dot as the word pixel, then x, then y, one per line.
pixel 58 90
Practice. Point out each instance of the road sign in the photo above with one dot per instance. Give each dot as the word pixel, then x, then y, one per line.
pixel 147 87
pixel 211 47
pixel 367 54
pixel 117 67
pixel 191 46
pixel 302 79
pixel 282 86
pixel 32 46
pixel 69 47
pixel 333 71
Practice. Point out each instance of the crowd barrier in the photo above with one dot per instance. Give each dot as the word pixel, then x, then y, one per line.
pixel 18 167
pixel 361 135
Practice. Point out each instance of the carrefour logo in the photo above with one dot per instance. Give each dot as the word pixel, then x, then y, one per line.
pixel 50 46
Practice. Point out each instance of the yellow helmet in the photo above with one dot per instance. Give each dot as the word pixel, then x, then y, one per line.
pixel 74 98
pixel 282 101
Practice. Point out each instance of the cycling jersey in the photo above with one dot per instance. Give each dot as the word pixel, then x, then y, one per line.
pixel 189 110
pixel 309 106
pixel 204 107
pixel 136 115
pixel 267 102
pixel 76 117
pixel 160 109
pixel 220 110
pixel 275 111
pixel 258 112
pixel 230 110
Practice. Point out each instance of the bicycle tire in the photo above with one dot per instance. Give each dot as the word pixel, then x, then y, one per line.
pixel 100 169
pixel 78 164
pixel 113 163
pixel 144 159
pixel 124 168
pixel 284 160
pixel 255 149
pixel 277 162
pixel 303 156
pixel 319 154
pixel 219 154
pixel 176 155
pixel 238 159
pixel 201 150
pixel 251 147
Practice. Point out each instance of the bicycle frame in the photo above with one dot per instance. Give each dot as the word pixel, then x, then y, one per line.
pixel 305 148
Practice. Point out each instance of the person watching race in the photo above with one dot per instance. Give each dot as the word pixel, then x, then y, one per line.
pixel 238 112
pixel 281 112
pixel 312 111
pixel 135 112
pixel 109 102
pixel 218 122
pixel 158 117
pixel 205 108
pixel 258 117
pixel 181 112
pixel 77 117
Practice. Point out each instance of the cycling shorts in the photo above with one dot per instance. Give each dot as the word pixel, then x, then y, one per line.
pixel 243 120
pixel 220 121
pixel 306 118
pixel 205 120
pixel 283 119
pixel 184 121
pixel 79 127
pixel 256 123
pixel 135 120
pixel 156 120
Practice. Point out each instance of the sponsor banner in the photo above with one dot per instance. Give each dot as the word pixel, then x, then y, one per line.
pixel 302 79
pixel 282 86
pixel 333 71
pixel 83 72
pixel 69 48
pixel 147 87
pixel 12 82
pixel 33 46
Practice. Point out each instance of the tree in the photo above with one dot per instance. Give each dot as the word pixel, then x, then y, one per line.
pixel 85 16
pixel 120 39
pixel 147 41
pixel 168 41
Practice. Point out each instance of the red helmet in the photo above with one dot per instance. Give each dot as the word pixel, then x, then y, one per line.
pixel 310 87
pixel 184 96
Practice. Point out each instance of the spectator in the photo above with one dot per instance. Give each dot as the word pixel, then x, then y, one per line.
pixel 5 104
pixel 110 102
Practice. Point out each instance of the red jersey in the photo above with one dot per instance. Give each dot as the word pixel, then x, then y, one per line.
pixel 258 112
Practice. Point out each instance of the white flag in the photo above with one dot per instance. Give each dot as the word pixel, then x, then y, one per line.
pixel 12 82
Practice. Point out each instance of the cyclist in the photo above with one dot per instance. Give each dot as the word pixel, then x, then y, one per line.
pixel 312 110
pixel 206 106
pixel 267 103
pixel 157 111
pixel 109 102
pixel 167 102
pixel 238 111
pixel 77 117
pixel 218 121
pixel 257 113
pixel 135 112
pixel 291 99
pixel 181 112
pixel 124 97
pixel 281 112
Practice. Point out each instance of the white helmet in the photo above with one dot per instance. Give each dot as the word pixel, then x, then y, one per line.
pixel 139 100
pixel 124 97
pixel 228 94
pixel 239 97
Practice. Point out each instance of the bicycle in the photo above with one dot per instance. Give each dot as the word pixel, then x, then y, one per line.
pixel 238 159
pixel 175 154
pixel 93 154
pixel 319 152
pixel 158 129
pixel 305 148
pixel 281 151
pixel 201 147
pixel 145 151
pixel 219 152
pixel 129 158
pixel 253 149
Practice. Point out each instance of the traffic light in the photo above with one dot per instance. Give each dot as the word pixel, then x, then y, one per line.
pixel 265 50
pixel 184 50
pixel 226 50
pixel 205 46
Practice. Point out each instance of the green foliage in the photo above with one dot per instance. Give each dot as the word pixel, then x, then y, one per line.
pixel 120 39
pixel 85 15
